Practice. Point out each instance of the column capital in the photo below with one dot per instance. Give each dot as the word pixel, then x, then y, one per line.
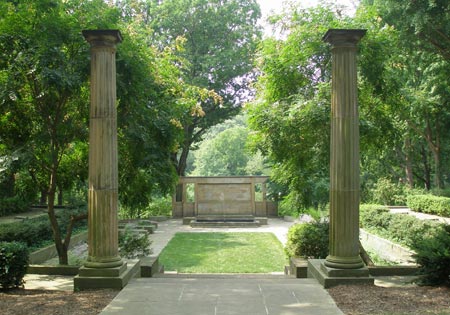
pixel 343 37
pixel 102 37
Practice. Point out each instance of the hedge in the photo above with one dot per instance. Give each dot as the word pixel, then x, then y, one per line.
pixel 429 239
pixel 13 205
pixel 429 204
pixel 13 264
pixel 37 231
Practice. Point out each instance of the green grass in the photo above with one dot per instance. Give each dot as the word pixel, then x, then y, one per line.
pixel 223 253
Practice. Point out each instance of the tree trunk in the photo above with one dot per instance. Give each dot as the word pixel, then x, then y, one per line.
pixel 182 161
pixel 59 244
pixel 435 148
pixel 365 256
pixel 426 168
pixel 437 169
pixel 408 163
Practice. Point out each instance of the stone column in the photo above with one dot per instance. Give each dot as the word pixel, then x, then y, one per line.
pixel 344 160
pixel 103 164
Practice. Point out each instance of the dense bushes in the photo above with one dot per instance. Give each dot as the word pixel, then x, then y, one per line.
pixel 386 192
pixel 430 204
pixel 430 240
pixel 13 264
pixel 37 231
pixel 133 244
pixel 160 206
pixel 308 240
pixel 12 205
pixel 433 255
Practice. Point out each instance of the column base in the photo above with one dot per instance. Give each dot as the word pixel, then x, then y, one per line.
pixel 110 262
pixel 329 277
pixel 344 262
pixel 106 278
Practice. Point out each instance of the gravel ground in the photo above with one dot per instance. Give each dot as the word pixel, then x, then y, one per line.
pixel 373 300
pixel 47 302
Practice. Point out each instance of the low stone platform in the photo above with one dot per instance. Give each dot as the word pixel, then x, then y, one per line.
pixel 111 278
pixel 225 221
pixel 329 277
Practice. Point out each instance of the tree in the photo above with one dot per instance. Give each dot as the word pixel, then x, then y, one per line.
pixel 410 82
pixel 223 155
pixel 429 21
pixel 290 115
pixel 221 37
pixel 46 67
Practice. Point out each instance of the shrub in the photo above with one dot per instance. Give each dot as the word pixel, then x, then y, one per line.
pixel 429 204
pixel 159 207
pixel 433 256
pixel 429 239
pixel 308 240
pixel 133 244
pixel 36 231
pixel 13 205
pixel 13 264
pixel 388 193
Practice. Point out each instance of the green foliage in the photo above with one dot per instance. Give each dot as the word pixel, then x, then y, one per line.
pixel 134 244
pixel 37 231
pixel 433 256
pixel 430 240
pixel 223 155
pixel 429 204
pixel 289 206
pixel 388 193
pixel 13 205
pixel 308 240
pixel 13 264
pixel 220 38
pixel 159 206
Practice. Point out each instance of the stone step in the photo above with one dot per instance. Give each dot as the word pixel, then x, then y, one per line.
pixel 224 224
pixel 263 276
pixel 226 218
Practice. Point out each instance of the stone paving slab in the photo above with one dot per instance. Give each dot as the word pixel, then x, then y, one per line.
pixel 209 296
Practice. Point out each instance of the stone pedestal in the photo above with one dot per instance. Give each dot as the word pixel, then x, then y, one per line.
pixel 103 258
pixel 343 261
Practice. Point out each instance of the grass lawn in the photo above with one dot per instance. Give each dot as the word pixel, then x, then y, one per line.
pixel 223 253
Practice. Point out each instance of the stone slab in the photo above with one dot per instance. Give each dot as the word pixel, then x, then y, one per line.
pixel 209 296
pixel 315 270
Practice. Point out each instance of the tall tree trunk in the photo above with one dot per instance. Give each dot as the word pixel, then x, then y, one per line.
pixel 59 244
pixel 426 168
pixel 434 143
pixel 408 163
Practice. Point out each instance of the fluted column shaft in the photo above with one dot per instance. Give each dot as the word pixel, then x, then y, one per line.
pixel 103 163
pixel 344 159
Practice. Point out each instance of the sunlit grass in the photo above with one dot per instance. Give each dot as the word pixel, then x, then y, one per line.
pixel 223 253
